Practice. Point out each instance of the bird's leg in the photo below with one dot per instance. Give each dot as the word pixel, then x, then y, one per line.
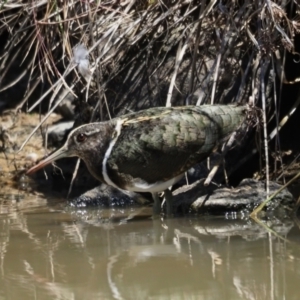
pixel 156 204
pixel 169 204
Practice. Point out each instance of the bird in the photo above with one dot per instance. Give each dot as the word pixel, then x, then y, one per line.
pixel 150 150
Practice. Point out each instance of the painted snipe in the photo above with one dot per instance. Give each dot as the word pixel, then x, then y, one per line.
pixel 149 150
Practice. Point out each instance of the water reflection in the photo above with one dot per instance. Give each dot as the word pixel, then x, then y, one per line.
pixel 55 253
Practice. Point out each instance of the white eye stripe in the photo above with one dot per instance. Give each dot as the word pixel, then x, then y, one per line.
pixel 92 132
pixel 75 132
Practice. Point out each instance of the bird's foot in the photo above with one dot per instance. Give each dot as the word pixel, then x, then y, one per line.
pixel 169 202
pixel 156 205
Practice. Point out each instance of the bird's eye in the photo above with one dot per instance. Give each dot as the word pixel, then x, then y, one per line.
pixel 81 138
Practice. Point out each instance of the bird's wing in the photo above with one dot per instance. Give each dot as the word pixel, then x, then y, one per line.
pixel 163 143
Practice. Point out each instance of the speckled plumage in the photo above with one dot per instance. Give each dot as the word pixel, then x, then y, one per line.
pixel 161 143
pixel 141 150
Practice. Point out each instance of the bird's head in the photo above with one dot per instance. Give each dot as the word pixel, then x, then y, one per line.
pixel 82 142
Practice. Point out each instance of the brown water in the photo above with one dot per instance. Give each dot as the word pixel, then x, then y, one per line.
pixel 48 252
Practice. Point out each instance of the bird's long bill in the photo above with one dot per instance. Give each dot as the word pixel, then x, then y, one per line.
pixel 60 153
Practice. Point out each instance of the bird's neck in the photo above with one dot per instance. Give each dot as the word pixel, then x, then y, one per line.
pixel 95 156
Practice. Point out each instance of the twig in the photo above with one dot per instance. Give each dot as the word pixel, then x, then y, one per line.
pixel 180 52
pixel 44 119
pixel 253 215
pixel 264 121
pixel 74 176
pixel 225 149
